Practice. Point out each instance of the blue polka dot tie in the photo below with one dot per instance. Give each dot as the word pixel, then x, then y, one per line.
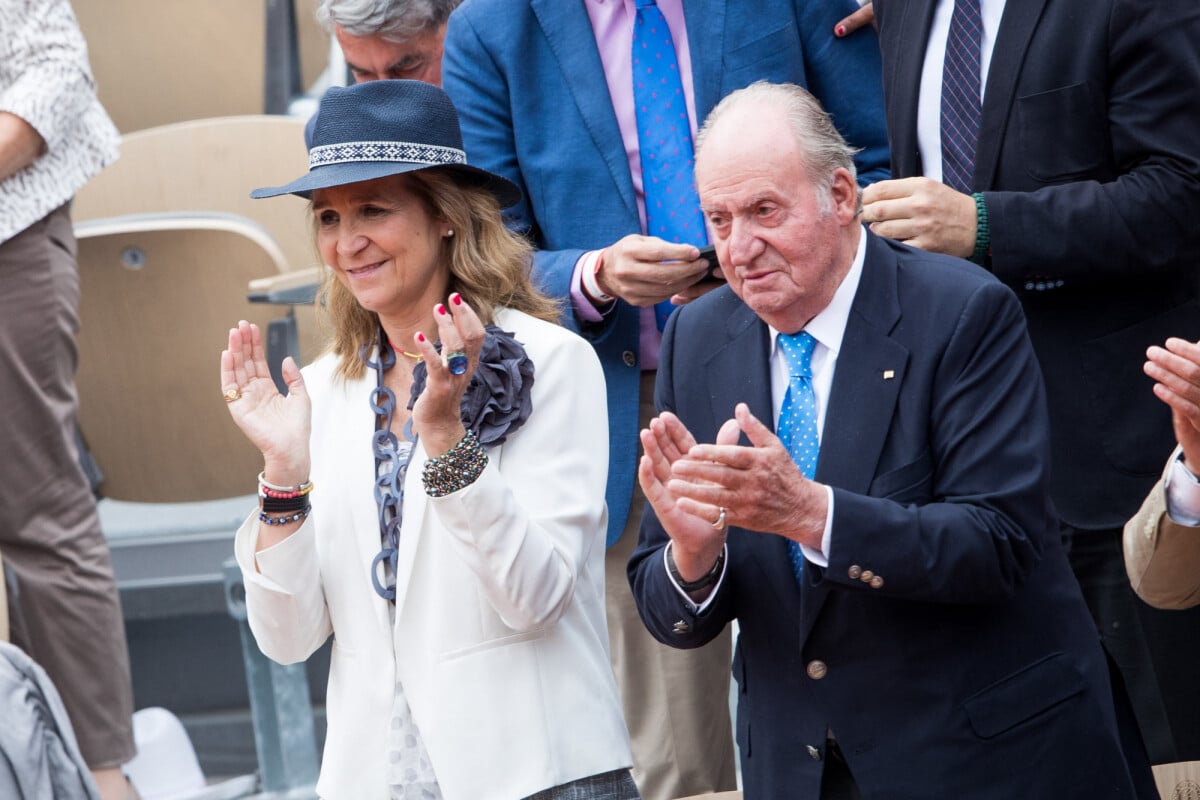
pixel 664 138
pixel 798 416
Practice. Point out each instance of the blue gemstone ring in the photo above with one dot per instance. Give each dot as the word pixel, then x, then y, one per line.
pixel 456 362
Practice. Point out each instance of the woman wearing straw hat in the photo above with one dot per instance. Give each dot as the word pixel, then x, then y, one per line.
pixel 433 488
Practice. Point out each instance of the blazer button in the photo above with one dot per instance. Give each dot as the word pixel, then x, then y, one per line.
pixel 854 571
pixel 816 669
pixel 630 358
pixel 876 582
pixel 682 627
pixel 813 753
pixel 866 576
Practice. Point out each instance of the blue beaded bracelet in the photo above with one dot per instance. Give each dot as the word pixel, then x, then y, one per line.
pixel 266 519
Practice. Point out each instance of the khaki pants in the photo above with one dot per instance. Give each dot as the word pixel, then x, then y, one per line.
pixel 676 701
pixel 66 614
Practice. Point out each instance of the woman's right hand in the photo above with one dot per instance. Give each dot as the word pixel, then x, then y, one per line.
pixel 278 426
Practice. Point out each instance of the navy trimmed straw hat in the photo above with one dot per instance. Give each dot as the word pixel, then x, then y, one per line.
pixel 381 128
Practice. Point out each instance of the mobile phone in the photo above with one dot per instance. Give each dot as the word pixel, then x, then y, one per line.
pixel 709 254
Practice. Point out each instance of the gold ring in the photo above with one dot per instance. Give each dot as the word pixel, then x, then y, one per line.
pixel 232 394
pixel 720 523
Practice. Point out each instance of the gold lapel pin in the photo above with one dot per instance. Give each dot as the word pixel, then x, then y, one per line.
pixel 888 374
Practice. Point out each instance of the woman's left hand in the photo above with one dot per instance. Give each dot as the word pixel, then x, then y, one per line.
pixel 437 414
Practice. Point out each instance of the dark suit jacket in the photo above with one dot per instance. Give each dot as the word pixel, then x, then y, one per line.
pixel 529 86
pixel 959 659
pixel 1089 159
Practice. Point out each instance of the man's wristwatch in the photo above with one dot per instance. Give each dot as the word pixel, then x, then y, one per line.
pixel 704 581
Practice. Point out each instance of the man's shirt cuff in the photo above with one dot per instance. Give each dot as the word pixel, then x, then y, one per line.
pixel 584 310
pixel 1183 494
pixel 693 606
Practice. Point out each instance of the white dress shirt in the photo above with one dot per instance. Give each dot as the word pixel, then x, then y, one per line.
pixel 828 327
pixel 929 101
pixel 1183 494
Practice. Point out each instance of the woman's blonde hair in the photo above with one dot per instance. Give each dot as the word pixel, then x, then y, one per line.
pixel 489 266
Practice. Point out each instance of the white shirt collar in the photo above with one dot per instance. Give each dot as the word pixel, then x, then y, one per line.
pixel 829 326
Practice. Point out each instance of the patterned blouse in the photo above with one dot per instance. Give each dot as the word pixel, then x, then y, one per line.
pixel 45 80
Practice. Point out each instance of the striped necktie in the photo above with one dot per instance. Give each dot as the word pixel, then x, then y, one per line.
pixel 960 95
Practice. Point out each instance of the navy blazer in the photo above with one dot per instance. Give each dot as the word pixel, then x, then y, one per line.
pixel 529 86
pixel 1089 160
pixel 946 645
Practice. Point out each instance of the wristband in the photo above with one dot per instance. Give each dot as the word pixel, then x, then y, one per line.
pixel 703 582
pixel 983 231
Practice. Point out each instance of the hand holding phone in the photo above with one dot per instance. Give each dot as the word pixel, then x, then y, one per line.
pixel 709 254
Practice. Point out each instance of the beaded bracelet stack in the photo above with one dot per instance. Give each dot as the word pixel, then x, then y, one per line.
pixel 290 501
pixel 455 469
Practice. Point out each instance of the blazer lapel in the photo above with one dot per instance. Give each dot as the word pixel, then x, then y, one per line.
pixel 569 32
pixel 738 371
pixel 416 503
pixel 866 385
pixel 904 81
pixel 355 463
pixel 705 21
pixel 1012 42
pixel 867 380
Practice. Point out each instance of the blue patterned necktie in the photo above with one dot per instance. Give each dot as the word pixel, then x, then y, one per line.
pixel 664 138
pixel 960 95
pixel 798 416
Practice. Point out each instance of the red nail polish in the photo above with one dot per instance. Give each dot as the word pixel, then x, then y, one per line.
pixel 441 309
pixel 420 337
pixel 456 298
pixel 840 30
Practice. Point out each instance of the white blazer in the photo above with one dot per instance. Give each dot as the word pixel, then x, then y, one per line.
pixel 500 593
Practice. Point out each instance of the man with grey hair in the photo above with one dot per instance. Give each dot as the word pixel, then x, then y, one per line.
pixel 546 94
pixel 850 459
pixel 389 38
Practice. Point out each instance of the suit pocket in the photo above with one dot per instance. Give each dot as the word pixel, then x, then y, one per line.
pixel 1023 695
pixel 1128 415
pixel 490 644
pixel 907 484
pixel 776 56
pixel 1053 151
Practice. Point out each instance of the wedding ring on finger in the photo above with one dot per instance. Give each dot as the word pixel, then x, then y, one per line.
pixel 455 361
pixel 231 394
pixel 720 522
